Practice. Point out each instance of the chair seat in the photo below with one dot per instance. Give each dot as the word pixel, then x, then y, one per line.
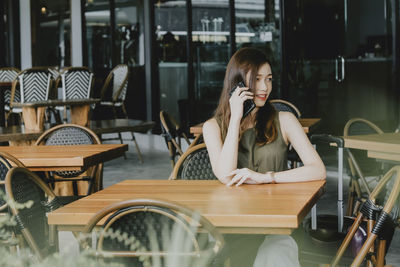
pixel 110 103
pixel 14 110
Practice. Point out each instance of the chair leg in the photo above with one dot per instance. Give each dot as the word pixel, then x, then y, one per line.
pixel 171 154
pixel 137 148
pixel 121 141
pixel 124 110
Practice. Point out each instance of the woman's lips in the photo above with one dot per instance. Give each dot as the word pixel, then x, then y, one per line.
pixel 262 97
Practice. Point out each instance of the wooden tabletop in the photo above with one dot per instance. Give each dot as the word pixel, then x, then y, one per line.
pixel 57 102
pixel 260 209
pixel 77 157
pixel 18 133
pixel 308 125
pixel 381 146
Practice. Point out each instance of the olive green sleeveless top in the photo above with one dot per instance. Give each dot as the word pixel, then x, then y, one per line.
pixel 268 157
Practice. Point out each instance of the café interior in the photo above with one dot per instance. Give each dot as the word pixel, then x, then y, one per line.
pixel 102 155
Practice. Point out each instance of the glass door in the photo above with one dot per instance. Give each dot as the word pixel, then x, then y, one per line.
pixel 339 61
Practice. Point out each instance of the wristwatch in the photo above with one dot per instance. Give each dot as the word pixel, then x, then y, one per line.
pixel 272 175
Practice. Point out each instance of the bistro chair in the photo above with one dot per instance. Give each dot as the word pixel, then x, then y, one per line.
pixel 77 83
pixel 7 161
pixel 72 134
pixel 357 126
pixel 194 164
pixel 159 230
pixel 116 85
pixel 172 133
pixel 34 85
pixel 283 105
pixel 381 211
pixel 22 186
pixel 117 81
pixel 8 75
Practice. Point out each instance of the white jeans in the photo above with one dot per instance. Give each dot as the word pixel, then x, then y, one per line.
pixel 277 251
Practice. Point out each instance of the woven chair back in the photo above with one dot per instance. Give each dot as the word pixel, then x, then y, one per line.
pixel 76 83
pixel 283 105
pixel 159 228
pixel 67 135
pixel 35 84
pixel 8 75
pixel 23 186
pixel 194 164
pixel 120 82
pixel 7 161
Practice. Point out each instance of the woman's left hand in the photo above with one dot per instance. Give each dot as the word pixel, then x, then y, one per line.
pixel 248 176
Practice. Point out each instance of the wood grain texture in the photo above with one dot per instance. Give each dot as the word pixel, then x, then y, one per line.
pixel 381 146
pixel 51 158
pixel 263 209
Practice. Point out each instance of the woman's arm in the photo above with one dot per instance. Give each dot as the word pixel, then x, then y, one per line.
pixel 223 155
pixel 293 133
pixel 314 168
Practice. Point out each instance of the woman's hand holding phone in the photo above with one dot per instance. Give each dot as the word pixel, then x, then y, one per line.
pixel 239 94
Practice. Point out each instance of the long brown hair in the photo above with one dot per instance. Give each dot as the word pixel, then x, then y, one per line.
pixel 242 62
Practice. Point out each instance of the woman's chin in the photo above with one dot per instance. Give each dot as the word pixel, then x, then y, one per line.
pixel 260 103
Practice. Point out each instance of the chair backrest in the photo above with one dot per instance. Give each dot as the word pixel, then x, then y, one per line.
pixel 358 126
pixel 22 186
pixel 283 105
pixel 7 161
pixel 8 75
pixel 34 84
pixel 69 134
pixel 358 161
pixel 119 77
pixel 157 228
pixel 169 126
pixel 194 164
pixel 76 83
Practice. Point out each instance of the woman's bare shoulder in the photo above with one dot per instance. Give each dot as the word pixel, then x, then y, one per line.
pixel 210 124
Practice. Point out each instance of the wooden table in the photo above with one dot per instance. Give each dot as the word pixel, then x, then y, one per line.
pixel 384 146
pixel 33 112
pixel 57 158
pixel 308 125
pixel 258 209
pixel 17 135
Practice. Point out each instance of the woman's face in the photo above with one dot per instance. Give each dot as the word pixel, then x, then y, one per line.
pixel 263 86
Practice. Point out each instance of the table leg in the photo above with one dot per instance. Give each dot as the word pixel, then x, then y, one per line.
pixel 80 115
pixel 33 118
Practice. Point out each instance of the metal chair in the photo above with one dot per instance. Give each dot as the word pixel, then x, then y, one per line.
pixel 72 134
pixel 172 133
pixel 34 85
pixel 77 83
pixel 7 161
pixel 357 126
pixel 153 228
pixel 381 217
pixel 117 80
pixel 283 105
pixel 194 164
pixel 23 186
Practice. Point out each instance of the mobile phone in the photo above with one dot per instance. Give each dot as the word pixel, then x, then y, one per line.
pixel 248 105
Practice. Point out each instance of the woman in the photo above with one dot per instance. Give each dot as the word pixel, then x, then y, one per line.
pixel 253 149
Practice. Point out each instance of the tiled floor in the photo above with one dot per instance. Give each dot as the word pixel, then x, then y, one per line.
pixel 157 166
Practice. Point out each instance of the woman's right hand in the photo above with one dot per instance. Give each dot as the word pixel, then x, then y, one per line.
pixel 236 101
